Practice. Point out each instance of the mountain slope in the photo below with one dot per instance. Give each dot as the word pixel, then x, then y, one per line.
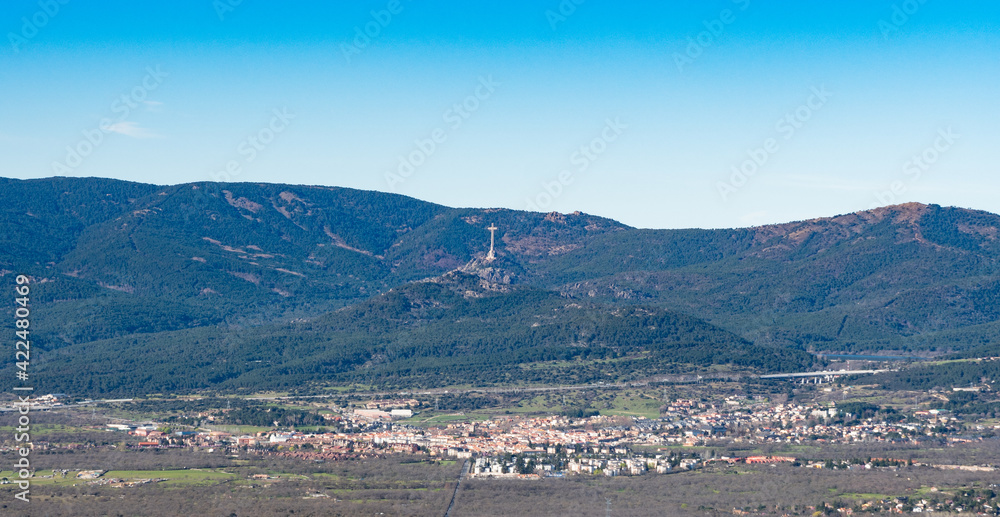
pixel 239 253
pixel 890 278
pixel 452 330
pixel 119 262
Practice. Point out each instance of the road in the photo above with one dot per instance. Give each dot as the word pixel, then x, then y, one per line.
pixel 681 378
pixel 454 495
pixel 445 391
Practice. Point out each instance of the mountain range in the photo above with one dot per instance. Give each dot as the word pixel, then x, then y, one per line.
pixel 142 288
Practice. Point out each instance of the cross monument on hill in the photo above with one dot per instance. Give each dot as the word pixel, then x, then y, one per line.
pixel 493 228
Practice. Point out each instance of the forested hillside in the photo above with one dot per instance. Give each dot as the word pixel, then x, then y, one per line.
pixel 119 265
pixel 450 331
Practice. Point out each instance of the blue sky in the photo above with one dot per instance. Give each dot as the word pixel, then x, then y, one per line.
pixel 659 114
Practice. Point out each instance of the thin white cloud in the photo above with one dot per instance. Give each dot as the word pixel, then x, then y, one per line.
pixel 153 106
pixel 131 129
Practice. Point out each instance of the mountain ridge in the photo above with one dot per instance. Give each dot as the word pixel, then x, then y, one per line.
pixel 115 259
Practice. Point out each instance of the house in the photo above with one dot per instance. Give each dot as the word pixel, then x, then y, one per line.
pixel 374 414
pixel 144 430
pixel 279 437
pixel 246 441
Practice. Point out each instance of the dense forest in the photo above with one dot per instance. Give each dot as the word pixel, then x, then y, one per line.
pixel 233 285
pixel 421 334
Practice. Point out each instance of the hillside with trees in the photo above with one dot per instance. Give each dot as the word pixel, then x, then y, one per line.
pixel 125 266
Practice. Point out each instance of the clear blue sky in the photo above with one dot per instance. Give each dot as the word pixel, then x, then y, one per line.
pixel 203 83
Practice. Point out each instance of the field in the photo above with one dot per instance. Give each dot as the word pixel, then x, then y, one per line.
pixel 768 490
pixel 198 480
pixel 260 485
pixel 252 485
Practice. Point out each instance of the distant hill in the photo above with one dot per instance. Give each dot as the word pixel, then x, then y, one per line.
pixel 444 332
pixel 909 277
pixel 122 265
pixel 120 258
